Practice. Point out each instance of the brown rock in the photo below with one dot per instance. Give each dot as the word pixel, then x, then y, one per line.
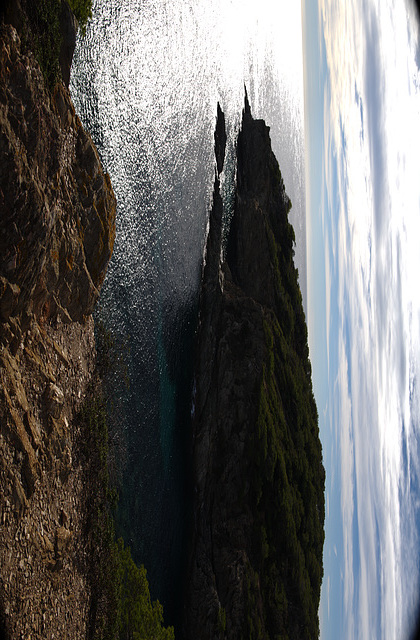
pixel 19 498
pixel 33 429
pixel 58 206
pixel 20 438
pixel 62 540
pixel 57 227
pixel 9 295
pixel 54 400
pixel 48 547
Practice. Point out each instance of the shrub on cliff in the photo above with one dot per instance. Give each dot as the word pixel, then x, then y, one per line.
pixel 138 617
pixel 121 606
pixel 82 9
pixel 42 34
pixel 40 24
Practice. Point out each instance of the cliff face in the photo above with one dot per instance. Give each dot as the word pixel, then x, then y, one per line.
pixel 256 561
pixel 57 228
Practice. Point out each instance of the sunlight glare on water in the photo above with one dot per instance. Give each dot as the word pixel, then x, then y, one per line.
pixel 146 80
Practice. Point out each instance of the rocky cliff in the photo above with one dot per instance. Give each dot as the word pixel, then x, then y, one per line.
pixel 256 561
pixel 57 227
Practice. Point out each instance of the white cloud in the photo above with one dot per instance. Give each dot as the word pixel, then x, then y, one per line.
pixel 372 140
pixel 327 298
pixel 344 414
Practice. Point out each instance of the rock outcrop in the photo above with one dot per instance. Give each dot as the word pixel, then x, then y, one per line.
pixel 57 228
pixel 256 560
pixel 58 207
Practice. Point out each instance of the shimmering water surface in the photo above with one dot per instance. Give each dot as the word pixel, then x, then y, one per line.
pixel 146 80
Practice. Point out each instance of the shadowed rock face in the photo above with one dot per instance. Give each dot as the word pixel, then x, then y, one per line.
pixel 251 375
pixel 68 27
pixel 220 140
pixel 57 228
pixel 57 206
pixel 20 14
pixel 261 210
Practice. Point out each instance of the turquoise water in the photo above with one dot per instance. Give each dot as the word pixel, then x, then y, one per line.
pixel 146 80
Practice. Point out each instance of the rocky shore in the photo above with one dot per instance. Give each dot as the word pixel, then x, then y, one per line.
pixel 57 228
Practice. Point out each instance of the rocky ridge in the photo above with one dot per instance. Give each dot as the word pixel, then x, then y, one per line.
pixel 57 228
pixel 256 560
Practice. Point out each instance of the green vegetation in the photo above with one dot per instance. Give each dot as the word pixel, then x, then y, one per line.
pixel 285 460
pixel 121 607
pixel 43 36
pixel 289 493
pixel 222 619
pixel 41 32
pixel 82 9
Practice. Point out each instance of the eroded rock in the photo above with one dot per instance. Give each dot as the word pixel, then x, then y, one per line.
pixel 58 206
pixel 57 228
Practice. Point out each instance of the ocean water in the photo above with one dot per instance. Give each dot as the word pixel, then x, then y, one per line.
pixel 145 81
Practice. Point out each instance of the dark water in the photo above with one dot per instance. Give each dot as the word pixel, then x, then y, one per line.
pixel 145 81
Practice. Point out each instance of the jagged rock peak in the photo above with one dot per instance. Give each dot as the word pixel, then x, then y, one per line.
pixel 247 108
pixel 220 140
pixel 260 215
pixel 256 552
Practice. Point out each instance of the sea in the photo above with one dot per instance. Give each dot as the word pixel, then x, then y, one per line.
pixel 146 79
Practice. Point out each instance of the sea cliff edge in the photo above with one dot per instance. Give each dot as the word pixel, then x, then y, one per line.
pixel 256 558
pixel 57 228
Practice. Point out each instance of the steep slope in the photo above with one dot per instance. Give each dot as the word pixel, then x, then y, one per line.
pixel 57 227
pixel 256 561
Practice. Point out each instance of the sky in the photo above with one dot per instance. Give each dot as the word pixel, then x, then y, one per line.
pixel 361 81
pixel 362 146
